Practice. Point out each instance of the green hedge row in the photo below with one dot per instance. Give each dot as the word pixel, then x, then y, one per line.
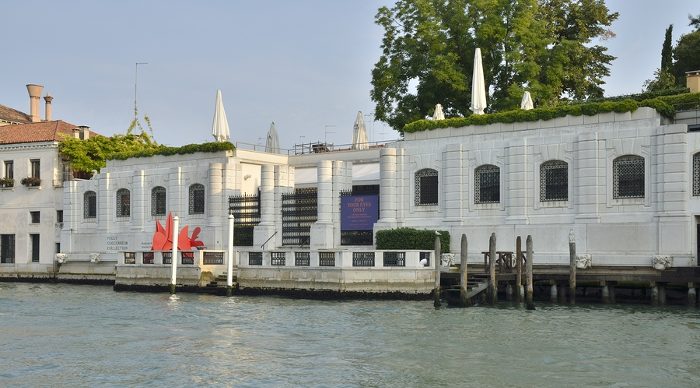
pixel 683 101
pixel 409 238
pixel 590 109
pixel 184 150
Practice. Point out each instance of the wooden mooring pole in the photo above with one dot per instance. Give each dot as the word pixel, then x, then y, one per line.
pixel 519 270
pixel 572 267
pixel 493 288
pixel 436 291
pixel 530 289
pixel 463 271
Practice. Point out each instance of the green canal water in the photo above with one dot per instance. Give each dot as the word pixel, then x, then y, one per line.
pixel 69 335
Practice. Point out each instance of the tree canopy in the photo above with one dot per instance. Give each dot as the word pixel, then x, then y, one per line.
pixel 686 54
pixel 544 46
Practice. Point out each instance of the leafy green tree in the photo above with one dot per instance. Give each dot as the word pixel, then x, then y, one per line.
pixel 667 50
pixel 664 77
pixel 92 154
pixel 686 55
pixel 540 45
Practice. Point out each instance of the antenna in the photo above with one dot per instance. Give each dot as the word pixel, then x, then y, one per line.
pixel 136 80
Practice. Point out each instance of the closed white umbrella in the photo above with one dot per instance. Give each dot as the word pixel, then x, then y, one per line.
pixel 478 85
pixel 220 126
pixel 272 144
pixel 526 102
pixel 438 114
pixel 359 133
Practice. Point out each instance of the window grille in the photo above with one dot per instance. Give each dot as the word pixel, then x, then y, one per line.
pixel 147 258
pixel 363 259
pixel 89 204
pixel 302 259
pixel 394 259
pixel 554 181
pixel 628 177
pixel 487 184
pixel 255 258
pixel 278 258
pixel 187 257
pixel 299 212
pixel 123 203
pixel 158 201
pixel 7 248
pixel 197 199
pixel 213 258
pixel 129 257
pixel 246 214
pixel 426 187
pixel 167 257
pixel 426 256
pixel 696 174
pixel 326 259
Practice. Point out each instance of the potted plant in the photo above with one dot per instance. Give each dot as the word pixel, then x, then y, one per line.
pixel 7 182
pixel 31 181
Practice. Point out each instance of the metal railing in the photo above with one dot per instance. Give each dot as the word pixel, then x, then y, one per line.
pixel 363 259
pixel 394 259
pixel 302 259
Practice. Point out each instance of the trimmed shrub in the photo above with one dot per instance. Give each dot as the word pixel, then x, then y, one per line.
pixel 409 238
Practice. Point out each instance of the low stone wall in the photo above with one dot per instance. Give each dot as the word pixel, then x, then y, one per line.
pixel 365 280
pixel 159 275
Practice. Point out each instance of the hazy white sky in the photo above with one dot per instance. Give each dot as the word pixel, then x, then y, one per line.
pixel 304 64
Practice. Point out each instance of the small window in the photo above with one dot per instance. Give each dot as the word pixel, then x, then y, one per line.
pixel 9 169
pixel 35 247
pixel 148 257
pixel 129 257
pixel 696 174
pixel 197 199
pixel 187 257
pixel 158 201
pixel 7 248
pixel 35 217
pixel 58 248
pixel 167 257
pixel 123 203
pixel 554 181
pixel 59 216
pixel 628 177
pixel 487 184
pixel 36 168
pixel 89 204
pixel 426 187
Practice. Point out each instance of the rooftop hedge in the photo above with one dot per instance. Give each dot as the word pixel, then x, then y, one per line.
pixel 665 105
pixel 168 151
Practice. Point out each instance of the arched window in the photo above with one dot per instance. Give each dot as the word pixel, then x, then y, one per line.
pixel 554 181
pixel 426 187
pixel 487 184
pixel 696 174
pixel 123 203
pixel 158 201
pixel 197 199
pixel 628 177
pixel 89 204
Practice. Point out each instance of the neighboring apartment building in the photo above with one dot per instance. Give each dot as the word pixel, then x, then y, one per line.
pixel 31 186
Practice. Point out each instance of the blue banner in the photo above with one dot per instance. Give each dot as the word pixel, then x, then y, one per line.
pixel 359 212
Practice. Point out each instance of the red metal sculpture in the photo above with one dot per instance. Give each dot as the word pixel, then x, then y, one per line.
pixel 163 237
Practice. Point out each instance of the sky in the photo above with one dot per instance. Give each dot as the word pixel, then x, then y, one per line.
pixel 304 64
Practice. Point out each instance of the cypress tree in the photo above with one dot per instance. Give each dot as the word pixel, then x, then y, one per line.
pixel 667 50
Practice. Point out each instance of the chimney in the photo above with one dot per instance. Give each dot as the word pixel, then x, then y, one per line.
pixel 47 110
pixel 84 132
pixel 34 96
pixel 692 81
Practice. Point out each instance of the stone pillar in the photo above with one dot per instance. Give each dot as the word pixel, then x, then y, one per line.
pixel 452 181
pixel 387 176
pixel 266 228
pixel 138 200
pixel 517 193
pixel 589 177
pixel 216 215
pixel 105 203
pixel 282 186
pixel 175 191
pixel 322 229
pixel 341 182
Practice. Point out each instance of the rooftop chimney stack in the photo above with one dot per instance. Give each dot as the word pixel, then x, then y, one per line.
pixel 47 110
pixel 692 81
pixel 34 96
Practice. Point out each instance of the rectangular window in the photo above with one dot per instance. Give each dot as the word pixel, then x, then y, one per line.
pixel 36 168
pixel 187 257
pixel 35 247
pixel 59 216
pixel 167 257
pixel 35 217
pixel 9 169
pixel 7 248
pixel 148 257
pixel 129 257
pixel 58 247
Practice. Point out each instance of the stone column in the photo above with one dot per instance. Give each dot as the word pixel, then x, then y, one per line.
pixel 452 181
pixel 282 186
pixel 341 182
pixel 387 175
pixel 214 207
pixel 105 203
pixel 589 182
pixel 266 228
pixel 138 200
pixel 519 173
pixel 322 229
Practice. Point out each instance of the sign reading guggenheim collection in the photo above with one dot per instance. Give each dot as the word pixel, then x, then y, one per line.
pixel 359 212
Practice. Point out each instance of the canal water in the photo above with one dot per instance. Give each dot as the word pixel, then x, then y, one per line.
pixel 71 335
